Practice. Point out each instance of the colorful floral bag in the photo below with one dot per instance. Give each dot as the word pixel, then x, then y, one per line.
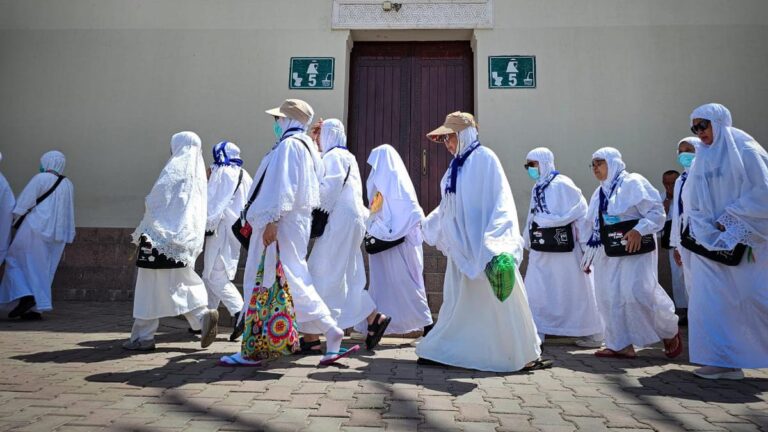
pixel 270 330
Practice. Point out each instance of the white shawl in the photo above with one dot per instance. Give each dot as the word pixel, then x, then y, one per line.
pixel 7 202
pixel 175 209
pixel 400 211
pixel 483 222
pixel 680 220
pixel 292 180
pixel 54 218
pixel 225 173
pixel 728 184
pixel 335 195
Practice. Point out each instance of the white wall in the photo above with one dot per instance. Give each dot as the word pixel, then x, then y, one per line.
pixel 109 81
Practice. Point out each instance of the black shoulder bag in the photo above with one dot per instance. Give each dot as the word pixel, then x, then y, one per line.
pixel 39 199
pixel 611 236
pixel 666 235
pixel 374 245
pixel 320 216
pixel 729 258
pixel 554 239
pixel 241 228
pixel 148 257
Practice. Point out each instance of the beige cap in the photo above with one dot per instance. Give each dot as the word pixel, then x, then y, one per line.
pixel 455 122
pixel 296 109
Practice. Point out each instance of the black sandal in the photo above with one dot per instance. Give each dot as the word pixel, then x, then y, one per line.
pixel 238 327
pixel 31 316
pixel 307 348
pixel 25 304
pixel 427 362
pixel 378 329
pixel 538 364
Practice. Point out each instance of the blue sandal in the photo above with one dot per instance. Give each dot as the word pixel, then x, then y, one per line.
pixel 343 352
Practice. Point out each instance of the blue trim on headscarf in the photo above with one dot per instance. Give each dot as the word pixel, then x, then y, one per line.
pixel 287 134
pixel 338 147
pixel 221 158
pixel 540 200
pixel 456 164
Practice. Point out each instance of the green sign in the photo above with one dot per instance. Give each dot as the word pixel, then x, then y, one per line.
pixel 511 72
pixel 311 73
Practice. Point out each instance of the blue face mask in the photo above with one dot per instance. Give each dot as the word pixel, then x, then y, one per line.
pixel 533 173
pixel 611 220
pixel 277 130
pixel 686 159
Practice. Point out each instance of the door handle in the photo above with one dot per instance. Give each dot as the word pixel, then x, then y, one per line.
pixel 424 162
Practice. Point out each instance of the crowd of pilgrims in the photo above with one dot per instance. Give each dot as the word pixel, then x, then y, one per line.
pixel 591 267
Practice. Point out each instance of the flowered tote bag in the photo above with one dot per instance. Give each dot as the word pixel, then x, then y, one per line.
pixel 270 330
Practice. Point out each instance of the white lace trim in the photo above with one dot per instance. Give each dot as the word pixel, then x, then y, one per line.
pixel 735 232
pixel 174 251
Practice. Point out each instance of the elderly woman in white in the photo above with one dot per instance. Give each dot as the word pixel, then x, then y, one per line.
pixel 336 262
pixel 726 202
pixel 281 212
pixel 47 207
pixel 396 274
pixel 173 228
pixel 562 297
pixel 475 223
pixel 635 308
pixel 228 188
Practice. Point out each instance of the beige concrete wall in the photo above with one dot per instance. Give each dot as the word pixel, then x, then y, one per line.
pixel 109 81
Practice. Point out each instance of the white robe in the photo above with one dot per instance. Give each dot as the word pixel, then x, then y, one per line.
pixel 336 261
pixel 561 295
pixel 167 292
pixel 680 274
pixel 36 249
pixel 289 192
pixel 474 329
pixel 635 308
pixel 7 202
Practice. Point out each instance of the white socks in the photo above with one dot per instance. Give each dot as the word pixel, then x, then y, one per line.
pixel 333 338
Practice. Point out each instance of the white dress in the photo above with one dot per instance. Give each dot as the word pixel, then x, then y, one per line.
pixel 680 296
pixel 635 308
pixel 35 251
pixel 474 329
pixel 336 261
pixel 561 295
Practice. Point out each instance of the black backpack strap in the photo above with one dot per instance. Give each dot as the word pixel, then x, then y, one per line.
pixel 239 181
pixel 39 199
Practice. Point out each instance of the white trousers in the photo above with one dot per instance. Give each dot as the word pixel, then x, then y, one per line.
pixel 221 289
pixel 145 329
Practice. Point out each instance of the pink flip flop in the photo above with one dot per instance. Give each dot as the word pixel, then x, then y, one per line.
pixel 343 352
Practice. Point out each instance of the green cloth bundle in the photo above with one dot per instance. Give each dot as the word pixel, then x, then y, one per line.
pixel 501 274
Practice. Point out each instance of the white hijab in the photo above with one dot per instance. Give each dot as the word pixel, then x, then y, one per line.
pixel 546 160
pixel 401 210
pixel 332 135
pixel 54 218
pixel 225 172
pixel 727 184
pixel 175 209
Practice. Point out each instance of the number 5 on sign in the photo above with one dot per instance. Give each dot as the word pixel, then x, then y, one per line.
pixel 511 72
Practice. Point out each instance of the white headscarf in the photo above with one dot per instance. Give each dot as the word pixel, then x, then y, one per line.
pixel 692 140
pixel 727 184
pixel 225 172
pixel 332 135
pixel 175 209
pixel 54 218
pixel 401 210
pixel 546 160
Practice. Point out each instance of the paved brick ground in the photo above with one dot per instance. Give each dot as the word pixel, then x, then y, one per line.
pixel 68 373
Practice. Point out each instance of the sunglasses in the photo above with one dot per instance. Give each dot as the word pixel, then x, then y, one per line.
pixel 700 126
pixel 529 165
pixel 596 163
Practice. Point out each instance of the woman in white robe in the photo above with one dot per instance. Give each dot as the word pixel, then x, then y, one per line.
pixel 282 213
pixel 396 274
pixel 336 261
pixel 174 224
pixel 686 150
pixel 635 308
pixel 726 202
pixel 36 249
pixel 561 296
pixel 228 188
pixel 475 222
pixel 7 203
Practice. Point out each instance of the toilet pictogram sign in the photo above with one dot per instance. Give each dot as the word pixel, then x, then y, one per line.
pixel 311 73
pixel 512 71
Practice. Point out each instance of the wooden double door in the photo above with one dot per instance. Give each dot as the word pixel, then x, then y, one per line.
pixel 399 92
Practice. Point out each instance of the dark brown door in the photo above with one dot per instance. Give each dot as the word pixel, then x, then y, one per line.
pixel 399 92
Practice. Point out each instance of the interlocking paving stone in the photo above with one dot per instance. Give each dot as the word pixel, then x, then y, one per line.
pixel 68 373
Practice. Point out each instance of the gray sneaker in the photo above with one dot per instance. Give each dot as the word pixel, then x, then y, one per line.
pixel 139 345
pixel 210 327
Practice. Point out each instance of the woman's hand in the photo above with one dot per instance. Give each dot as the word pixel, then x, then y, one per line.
pixel 634 240
pixel 270 234
pixel 678 258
